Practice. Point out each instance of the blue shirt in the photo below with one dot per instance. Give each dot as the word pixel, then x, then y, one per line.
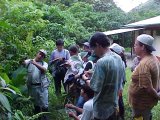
pixel 60 54
pixel 105 83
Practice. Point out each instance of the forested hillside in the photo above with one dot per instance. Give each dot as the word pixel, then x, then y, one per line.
pixel 144 11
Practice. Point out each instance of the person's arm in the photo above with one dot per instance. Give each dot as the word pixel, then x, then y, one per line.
pixel 86 79
pixel 80 110
pixel 42 68
pixel 98 77
pixel 68 55
pixel 145 81
pixel 53 58
pixel 153 92
pixel 73 115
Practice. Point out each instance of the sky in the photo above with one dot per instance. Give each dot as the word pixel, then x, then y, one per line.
pixel 127 5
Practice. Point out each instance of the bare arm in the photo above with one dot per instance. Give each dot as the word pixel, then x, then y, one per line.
pixel 40 67
pixel 73 115
pixel 80 110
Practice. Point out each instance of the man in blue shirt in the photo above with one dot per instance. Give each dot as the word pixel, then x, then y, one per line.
pixel 105 79
pixel 59 55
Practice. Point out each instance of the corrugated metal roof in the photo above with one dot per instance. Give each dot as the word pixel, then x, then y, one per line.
pixel 120 31
pixel 145 23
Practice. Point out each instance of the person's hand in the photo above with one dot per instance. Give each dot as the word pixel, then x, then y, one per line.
pixel 84 77
pixel 57 58
pixel 88 73
pixel 33 62
pixel 120 92
pixel 67 64
pixel 70 106
pixel 71 114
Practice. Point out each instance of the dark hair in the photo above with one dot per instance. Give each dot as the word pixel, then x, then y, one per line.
pixel 88 91
pixel 60 42
pixel 148 48
pixel 99 38
pixel 73 48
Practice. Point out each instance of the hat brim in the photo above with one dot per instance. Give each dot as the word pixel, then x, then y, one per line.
pixel 151 48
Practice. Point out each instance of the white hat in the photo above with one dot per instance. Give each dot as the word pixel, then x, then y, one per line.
pixel 116 48
pixel 86 44
pixel 147 40
pixel 43 51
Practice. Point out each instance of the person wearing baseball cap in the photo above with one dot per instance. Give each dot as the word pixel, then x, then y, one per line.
pixel 37 81
pixel 144 90
pixel 43 51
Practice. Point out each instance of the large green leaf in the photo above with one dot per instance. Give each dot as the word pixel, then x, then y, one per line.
pixel 5 103
pixel 18 76
pixel 5 77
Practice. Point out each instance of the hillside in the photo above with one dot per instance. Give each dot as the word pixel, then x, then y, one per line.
pixel 147 10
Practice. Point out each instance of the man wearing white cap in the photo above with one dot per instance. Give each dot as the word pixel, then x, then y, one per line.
pixel 37 81
pixel 119 50
pixel 143 90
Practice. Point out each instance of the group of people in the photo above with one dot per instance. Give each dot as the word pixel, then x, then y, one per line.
pixel 100 71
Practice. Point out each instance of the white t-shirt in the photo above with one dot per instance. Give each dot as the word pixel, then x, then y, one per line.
pixel 87 113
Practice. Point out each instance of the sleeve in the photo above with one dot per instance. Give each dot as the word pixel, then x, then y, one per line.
pixel 98 77
pixel 79 67
pixel 87 113
pixel 27 62
pixel 67 55
pixel 122 76
pixel 45 65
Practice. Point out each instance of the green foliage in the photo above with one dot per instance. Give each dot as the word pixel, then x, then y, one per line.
pixel 12 94
pixel 28 25
pixel 150 9
pixel 4 102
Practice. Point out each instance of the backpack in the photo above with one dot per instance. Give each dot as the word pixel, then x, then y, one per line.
pixel 60 69
pixel 57 67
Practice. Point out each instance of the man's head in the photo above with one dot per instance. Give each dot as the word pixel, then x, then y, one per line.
pixel 116 48
pixel 87 92
pixel 73 49
pixel 41 55
pixel 144 43
pixel 99 42
pixel 86 46
pixel 60 44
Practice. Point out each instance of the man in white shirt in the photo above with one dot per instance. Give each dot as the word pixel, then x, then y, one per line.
pixel 87 111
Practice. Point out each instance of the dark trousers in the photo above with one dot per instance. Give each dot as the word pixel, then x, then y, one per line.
pixel 58 80
pixel 121 107
pixel 114 116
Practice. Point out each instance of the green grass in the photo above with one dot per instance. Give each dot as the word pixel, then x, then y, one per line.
pixel 128 49
pixel 128 116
